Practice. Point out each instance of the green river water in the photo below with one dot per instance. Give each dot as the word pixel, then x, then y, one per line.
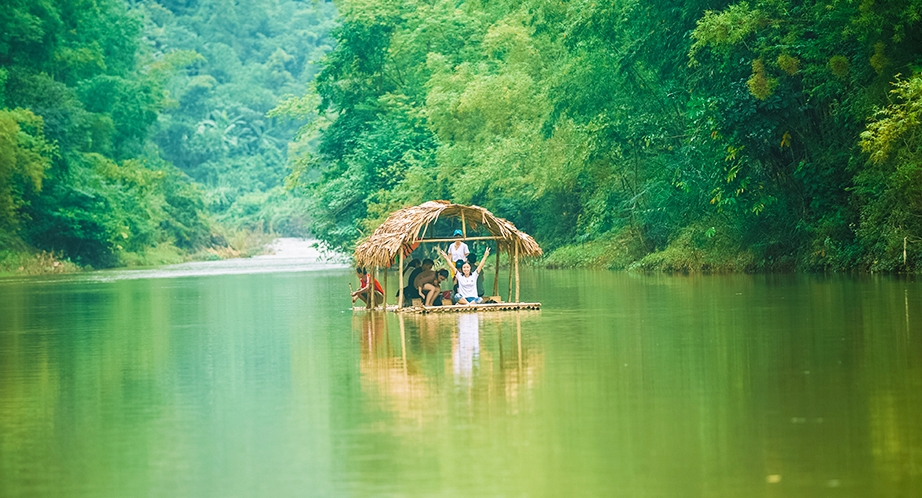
pixel 254 378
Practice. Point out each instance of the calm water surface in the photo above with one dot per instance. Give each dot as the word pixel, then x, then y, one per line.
pixel 253 378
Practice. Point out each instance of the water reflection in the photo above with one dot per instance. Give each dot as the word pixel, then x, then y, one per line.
pixel 465 347
pixel 414 364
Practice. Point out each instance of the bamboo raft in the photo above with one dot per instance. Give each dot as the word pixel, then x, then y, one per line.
pixel 462 308
pixel 406 229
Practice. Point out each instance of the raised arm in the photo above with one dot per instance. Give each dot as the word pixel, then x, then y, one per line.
pixel 483 260
pixel 451 264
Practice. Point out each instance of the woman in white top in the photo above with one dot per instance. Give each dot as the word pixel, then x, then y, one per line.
pixel 458 250
pixel 467 281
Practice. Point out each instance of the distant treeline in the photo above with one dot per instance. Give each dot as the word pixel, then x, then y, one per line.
pixel 132 125
pixel 705 134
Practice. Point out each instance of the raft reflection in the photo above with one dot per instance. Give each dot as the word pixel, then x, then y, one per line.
pixel 410 362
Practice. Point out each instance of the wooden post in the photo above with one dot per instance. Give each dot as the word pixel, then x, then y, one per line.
pixel 509 287
pixel 496 277
pixel 463 226
pixel 400 292
pixel 384 305
pixel 517 271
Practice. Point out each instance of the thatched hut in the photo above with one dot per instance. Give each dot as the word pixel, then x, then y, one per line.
pixel 405 229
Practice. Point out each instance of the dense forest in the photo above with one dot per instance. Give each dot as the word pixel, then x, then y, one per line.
pixel 686 136
pixel 135 132
pixel 704 135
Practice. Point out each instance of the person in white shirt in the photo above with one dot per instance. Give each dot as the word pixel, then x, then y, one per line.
pixel 458 250
pixel 467 281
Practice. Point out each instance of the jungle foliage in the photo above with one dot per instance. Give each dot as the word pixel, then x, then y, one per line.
pixel 248 55
pixel 705 134
pixel 128 126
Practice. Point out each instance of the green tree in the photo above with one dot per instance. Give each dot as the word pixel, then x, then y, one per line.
pixel 24 157
pixel 722 127
pixel 889 187
pixel 79 98
pixel 251 54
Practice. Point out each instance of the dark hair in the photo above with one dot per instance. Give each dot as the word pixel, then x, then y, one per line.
pixel 443 272
pixel 472 257
pixel 413 263
pixel 359 269
pixel 428 261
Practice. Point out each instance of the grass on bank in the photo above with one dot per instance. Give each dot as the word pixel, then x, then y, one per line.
pixel 615 252
pixel 703 249
pixel 17 258
pixel 15 262
pixel 696 250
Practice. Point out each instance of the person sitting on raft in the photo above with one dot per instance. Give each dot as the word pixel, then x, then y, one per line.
pixel 467 281
pixel 458 250
pixel 429 284
pixel 415 268
pixel 364 291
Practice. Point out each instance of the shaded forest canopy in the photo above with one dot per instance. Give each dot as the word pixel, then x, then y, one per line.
pixel 138 128
pixel 696 135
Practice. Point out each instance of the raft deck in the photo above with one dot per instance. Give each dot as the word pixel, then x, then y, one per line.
pixel 461 308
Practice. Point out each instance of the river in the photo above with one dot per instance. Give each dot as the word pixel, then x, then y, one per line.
pixel 254 378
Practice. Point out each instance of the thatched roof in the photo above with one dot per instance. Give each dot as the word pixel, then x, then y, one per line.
pixel 405 227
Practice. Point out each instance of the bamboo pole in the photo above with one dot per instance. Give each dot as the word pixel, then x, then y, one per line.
pixel 463 226
pixel 496 276
pixel 463 239
pixel 400 292
pixel 516 271
pixel 384 304
pixel 372 276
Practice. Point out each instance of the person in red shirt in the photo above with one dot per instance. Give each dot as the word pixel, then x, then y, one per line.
pixel 365 287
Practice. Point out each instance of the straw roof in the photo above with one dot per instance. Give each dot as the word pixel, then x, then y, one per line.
pixel 406 227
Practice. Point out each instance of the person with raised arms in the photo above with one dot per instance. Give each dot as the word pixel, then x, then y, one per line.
pixel 467 280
